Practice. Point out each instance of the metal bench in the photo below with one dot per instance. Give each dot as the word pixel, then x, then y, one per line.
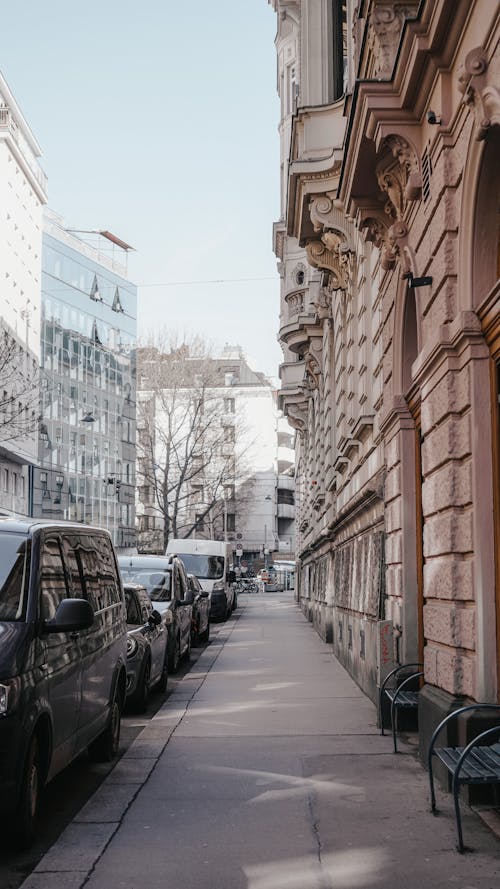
pixel 399 696
pixel 476 763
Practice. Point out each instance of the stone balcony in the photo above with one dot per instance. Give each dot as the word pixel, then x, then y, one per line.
pixel 291 374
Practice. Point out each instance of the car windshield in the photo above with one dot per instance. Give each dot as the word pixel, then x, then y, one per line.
pixel 14 574
pixel 158 583
pixel 205 567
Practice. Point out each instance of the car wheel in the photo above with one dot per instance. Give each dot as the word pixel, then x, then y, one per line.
pixel 105 746
pixel 187 653
pixel 139 700
pixel 204 637
pixel 235 602
pixel 25 816
pixel 175 656
pixel 195 636
pixel 162 683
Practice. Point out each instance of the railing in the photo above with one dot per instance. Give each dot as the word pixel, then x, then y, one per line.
pixel 295 302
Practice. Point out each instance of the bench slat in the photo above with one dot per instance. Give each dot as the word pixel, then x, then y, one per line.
pixel 481 766
pixel 405 699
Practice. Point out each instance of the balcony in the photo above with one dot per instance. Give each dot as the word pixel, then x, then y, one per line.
pixel 285 511
pixel 292 374
pixel 296 301
pixel 295 334
pixel 286 483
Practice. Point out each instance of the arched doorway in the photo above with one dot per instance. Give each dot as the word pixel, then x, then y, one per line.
pixel 485 271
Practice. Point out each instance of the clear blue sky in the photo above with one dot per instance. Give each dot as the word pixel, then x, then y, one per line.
pixel 158 121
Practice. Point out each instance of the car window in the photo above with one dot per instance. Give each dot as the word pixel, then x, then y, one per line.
pixel 97 568
pixel 53 586
pixel 157 583
pixel 133 610
pixel 14 575
pixel 74 567
pixel 206 567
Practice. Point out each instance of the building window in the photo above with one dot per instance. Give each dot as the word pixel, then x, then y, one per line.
pixel 229 405
pixel 339 47
pixel 231 521
pixel 200 522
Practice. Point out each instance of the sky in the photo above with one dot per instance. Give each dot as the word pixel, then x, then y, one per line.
pixel 158 121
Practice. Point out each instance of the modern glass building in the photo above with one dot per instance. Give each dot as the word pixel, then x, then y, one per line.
pixel 88 338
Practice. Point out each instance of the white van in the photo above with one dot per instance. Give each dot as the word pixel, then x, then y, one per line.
pixel 210 561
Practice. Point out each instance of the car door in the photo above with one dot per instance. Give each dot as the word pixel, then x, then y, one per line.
pixel 102 644
pixel 184 609
pixel 155 633
pixel 60 660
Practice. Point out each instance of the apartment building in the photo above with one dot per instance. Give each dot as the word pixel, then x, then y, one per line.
pixel 388 252
pixel 210 460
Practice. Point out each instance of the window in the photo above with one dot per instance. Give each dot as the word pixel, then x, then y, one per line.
pixel 229 405
pixel 200 522
pixel 339 47
pixel 53 587
pixel 231 521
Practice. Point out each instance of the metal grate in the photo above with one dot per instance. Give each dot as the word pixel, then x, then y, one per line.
pixel 426 175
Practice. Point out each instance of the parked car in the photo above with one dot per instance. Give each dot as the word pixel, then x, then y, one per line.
pixel 210 561
pixel 63 642
pixel 200 625
pixel 166 583
pixel 147 652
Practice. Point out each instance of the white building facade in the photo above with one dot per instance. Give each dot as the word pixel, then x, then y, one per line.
pixel 23 192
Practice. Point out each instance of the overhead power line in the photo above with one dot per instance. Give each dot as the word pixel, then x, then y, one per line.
pixel 208 281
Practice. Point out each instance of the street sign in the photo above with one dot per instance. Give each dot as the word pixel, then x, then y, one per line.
pixel 239 536
pixel 239 548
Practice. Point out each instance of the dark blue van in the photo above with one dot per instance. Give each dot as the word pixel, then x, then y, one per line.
pixel 63 641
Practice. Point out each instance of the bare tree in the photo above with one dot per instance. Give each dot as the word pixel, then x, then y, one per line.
pixel 19 381
pixel 188 455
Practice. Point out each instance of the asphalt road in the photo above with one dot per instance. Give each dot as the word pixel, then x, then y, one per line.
pixel 70 790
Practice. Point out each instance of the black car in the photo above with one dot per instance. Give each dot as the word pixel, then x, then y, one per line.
pixel 200 624
pixel 147 651
pixel 63 642
pixel 166 583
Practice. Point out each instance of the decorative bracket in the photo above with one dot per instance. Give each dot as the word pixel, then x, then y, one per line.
pixel 481 95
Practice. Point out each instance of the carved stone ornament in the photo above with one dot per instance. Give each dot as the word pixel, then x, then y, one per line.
pixel 395 247
pixel 391 241
pixel 386 25
pixel 323 304
pixel 313 370
pixel 335 261
pixel 480 93
pixel 392 179
pixel 325 212
pixel 297 417
pixel 407 157
pixel 295 302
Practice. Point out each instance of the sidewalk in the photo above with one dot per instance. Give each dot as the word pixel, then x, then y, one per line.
pixel 265 770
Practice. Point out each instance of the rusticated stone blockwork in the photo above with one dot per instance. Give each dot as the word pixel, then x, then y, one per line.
pixel 400 239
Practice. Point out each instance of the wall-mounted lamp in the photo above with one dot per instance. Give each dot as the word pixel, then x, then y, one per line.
pixel 433 118
pixel 88 418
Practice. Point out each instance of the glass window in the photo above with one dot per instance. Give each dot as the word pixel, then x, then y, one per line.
pixel 14 574
pixel 53 588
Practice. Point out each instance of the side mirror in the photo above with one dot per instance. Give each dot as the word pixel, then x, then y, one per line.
pixel 188 598
pixel 71 615
pixel 155 618
pixel 204 594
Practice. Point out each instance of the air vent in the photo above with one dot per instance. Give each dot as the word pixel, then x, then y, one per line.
pixel 426 175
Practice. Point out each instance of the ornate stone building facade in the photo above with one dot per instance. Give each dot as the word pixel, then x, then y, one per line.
pixel 388 250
